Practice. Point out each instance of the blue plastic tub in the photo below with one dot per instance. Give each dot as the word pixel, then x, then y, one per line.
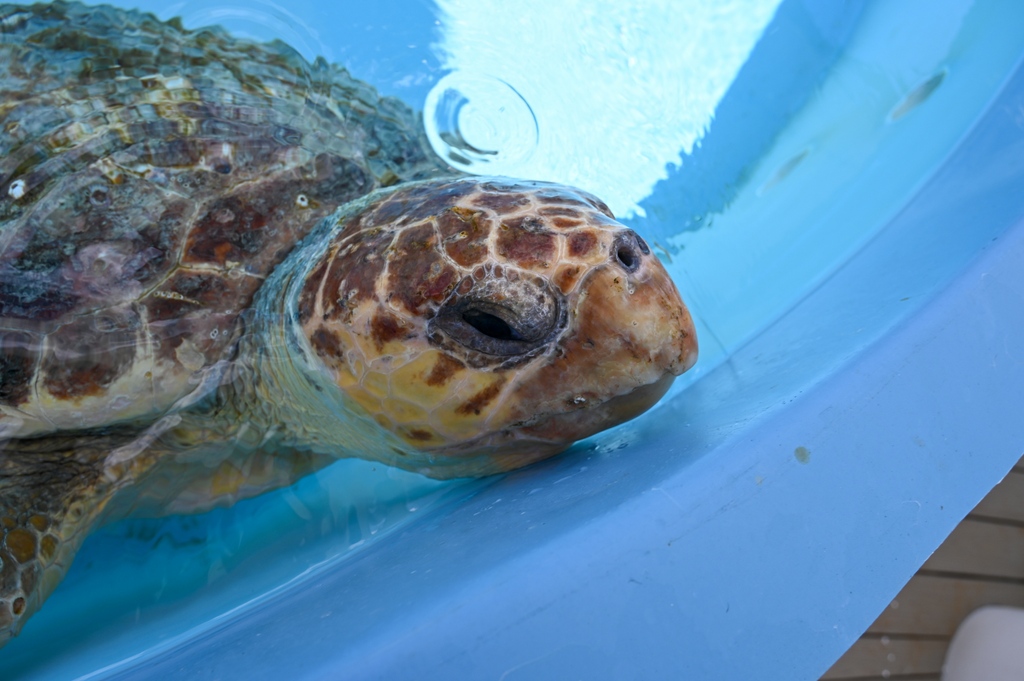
pixel 850 235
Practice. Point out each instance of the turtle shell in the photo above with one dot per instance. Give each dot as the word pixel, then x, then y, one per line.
pixel 151 177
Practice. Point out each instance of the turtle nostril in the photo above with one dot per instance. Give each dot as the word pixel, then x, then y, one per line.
pixel 627 257
pixel 630 250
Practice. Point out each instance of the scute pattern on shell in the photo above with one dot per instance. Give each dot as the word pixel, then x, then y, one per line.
pixel 150 178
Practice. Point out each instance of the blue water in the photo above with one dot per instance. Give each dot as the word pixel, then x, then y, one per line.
pixel 752 191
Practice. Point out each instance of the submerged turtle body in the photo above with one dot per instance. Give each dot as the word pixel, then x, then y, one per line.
pixel 222 268
pixel 151 179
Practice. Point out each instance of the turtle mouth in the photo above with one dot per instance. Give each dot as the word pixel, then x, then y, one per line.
pixel 499 320
pixel 565 427
pixel 494 452
pixel 627 406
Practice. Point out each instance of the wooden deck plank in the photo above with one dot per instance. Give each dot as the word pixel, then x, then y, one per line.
pixel 903 677
pixel 887 657
pixel 981 548
pixel 1004 501
pixel 935 606
pixel 1019 466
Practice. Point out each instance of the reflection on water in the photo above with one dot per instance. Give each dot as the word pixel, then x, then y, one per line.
pixel 620 90
pixel 261 20
pixel 917 96
pixel 146 584
pixel 480 124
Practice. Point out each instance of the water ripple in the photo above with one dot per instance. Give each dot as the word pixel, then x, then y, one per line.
pixel 480 124
pixel 255 19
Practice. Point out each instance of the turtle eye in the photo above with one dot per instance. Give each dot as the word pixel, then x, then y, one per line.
pixel 499 318
pixel 490 325
pixel 491 328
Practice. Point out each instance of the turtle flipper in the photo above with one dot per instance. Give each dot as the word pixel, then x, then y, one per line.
pixel 52 492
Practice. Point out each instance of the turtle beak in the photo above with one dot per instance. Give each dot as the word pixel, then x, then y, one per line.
pixel 639 329
pixel 629 336
pixel 628 406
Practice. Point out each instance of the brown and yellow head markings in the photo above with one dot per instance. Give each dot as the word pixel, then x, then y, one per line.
pixel 494 319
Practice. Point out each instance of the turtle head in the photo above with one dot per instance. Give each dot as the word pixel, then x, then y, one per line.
pixel 491 323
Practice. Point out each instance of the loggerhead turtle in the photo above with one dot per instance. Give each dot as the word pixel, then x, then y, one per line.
pixel 222 267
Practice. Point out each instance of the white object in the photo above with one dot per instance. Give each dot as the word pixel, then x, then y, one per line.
pixel 988 646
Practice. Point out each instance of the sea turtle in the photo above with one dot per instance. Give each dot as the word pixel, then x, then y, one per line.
pixel 222 267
